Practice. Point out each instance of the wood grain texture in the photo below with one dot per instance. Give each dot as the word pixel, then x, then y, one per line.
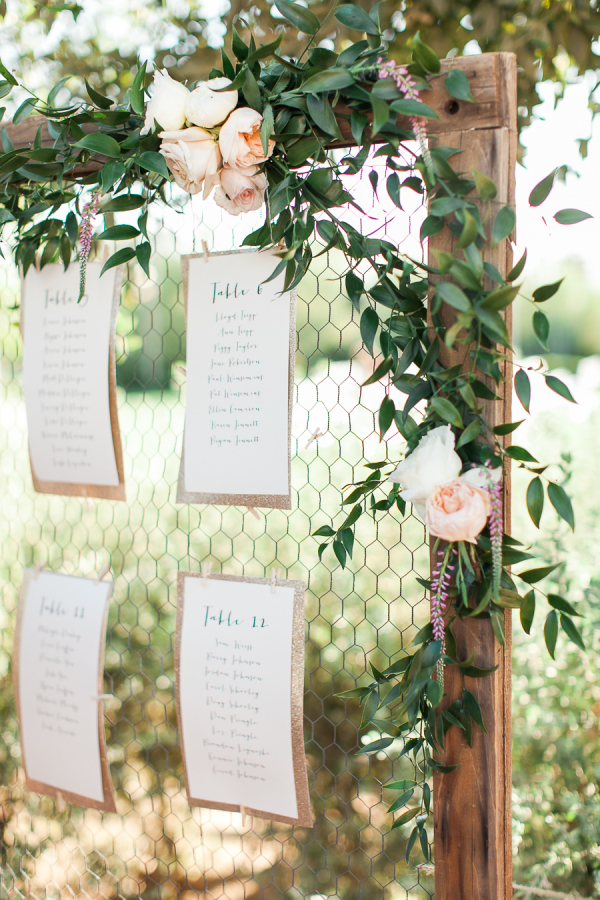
pixel 494 107
pixel 472 805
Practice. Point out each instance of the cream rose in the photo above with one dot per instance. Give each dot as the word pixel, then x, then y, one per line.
pixel 457 511
pixel 206 107
pixel 240 193
pixel 240 142
pixel 432 463
pixel 167 105
pixel 194 158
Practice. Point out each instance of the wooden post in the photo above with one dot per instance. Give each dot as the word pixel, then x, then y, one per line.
pixel 472 805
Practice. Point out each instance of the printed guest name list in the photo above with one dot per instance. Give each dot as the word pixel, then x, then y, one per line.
pixel 234 686
pixel 60 644
pixel 65 369
pixel 238 360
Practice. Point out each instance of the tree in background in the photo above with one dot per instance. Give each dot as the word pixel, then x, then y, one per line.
pixel 100 39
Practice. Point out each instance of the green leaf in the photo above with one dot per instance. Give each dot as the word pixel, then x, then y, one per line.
pixel 556 385
pixel 532 576
pixel 266 128
pixel 571 630
pixel 111 172
pixel 508 427
pixel 329 80
pixel 571 216
pixel 457 84
pixel 551 631
pixel 447 411
pixel 469 232
pixel 408 107
pixel 303 19
pixel 387 411
pixel 435 692
pixel 381 114
pixel 382 369
pixel 119 233
pixel 541 294
pixel 454 296
pixel 484 186
pixel 8 75
pixel 542 189
pixel 98 99
pixel 528 611
pixel 356 18
pixel 340 552
pixel 523 388
pixel 153 162
pixel 445 205
pixel 369 323
pixel 535 500
pixel 470 433
pixel 557 602
pixel 26 108
pixel 471 704
pixel 500 298
pixel 516 270
pixel 324 531
pixel 520 453
pixel 406 817
pixel 100 143
pixel 118 258
pixel 143 252
pixel 376 746
pixel 136 94
pixel 561 503
pixel 541 328
pixel 124 204
pixel 240 49
pixel 424 55
pixel 251 91
pixel 503 225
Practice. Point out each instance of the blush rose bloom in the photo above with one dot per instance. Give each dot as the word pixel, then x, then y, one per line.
pixel 432 463
pixel 240 193
pixel 167 105
pixel 194 158
pixel 240 142
pixel 457 511
pixel 208 107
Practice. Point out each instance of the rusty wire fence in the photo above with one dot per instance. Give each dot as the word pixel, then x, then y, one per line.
pixel 156 846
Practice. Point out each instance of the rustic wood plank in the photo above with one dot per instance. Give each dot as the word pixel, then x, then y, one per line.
pixel 472 805
pixel 493 107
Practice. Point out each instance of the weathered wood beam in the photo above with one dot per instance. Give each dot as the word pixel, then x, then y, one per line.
pixel 487 74
pixel 472 805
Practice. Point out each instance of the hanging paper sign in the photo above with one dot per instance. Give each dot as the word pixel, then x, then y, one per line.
pixel 58 665
pixel 239 659
pixel 241 336
pixel 69 374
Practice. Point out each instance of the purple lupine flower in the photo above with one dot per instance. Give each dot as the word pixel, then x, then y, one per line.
pixel 90 210
pixel 440 585
pixel 405 83
pixel 496 526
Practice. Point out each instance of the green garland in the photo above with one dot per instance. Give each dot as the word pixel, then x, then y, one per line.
pixel 301 102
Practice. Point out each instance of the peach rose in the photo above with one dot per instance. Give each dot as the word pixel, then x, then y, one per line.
pixel 193 157
pixel 240 142
pixel 457 511
pixel 240 193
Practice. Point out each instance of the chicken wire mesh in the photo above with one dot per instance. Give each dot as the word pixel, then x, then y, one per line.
pixel 156 846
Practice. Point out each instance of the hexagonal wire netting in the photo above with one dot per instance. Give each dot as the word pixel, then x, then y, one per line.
pixel 156 846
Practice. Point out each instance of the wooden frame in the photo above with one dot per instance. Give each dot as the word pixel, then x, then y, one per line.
pixel 472 805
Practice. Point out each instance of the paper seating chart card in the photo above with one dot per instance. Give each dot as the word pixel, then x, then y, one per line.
pixel 69 375
pixel 58 665
pixel 241 337
pixel 239 664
